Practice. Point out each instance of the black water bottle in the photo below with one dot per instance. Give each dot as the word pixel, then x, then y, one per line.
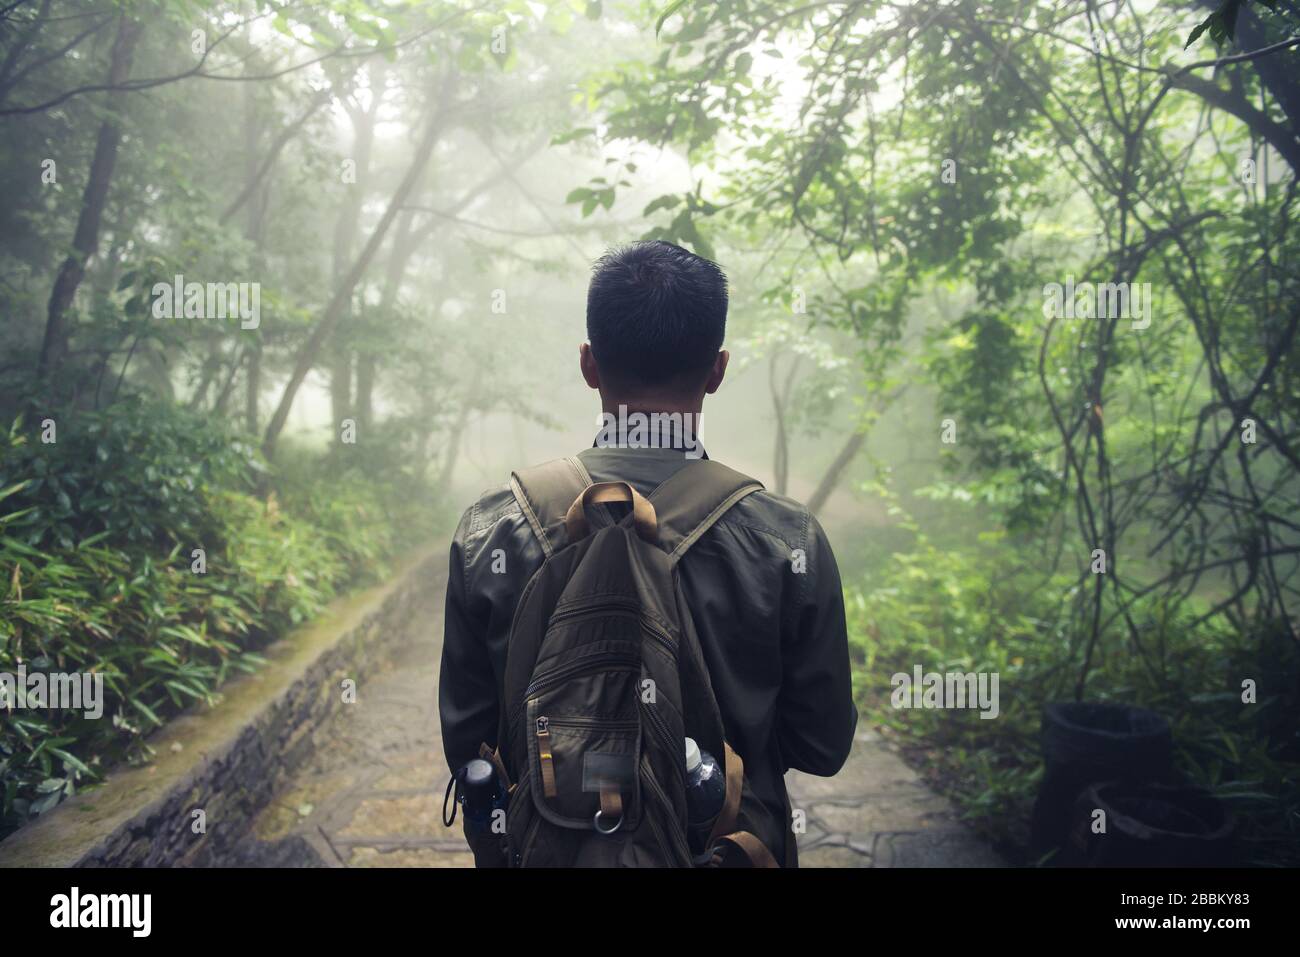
pixel 481 793
pixel 706 790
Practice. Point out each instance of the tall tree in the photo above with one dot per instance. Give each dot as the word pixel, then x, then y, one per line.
pixel 85 241
pixel 341 300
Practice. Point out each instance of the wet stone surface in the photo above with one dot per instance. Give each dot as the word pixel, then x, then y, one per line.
pixel 370 793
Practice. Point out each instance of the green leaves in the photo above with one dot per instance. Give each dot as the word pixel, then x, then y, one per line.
pixel 667 12
pixel 559 139
pixel 667 201
pixel 95 577
pixel 593 198
pixel 1222 23
pixel 684 230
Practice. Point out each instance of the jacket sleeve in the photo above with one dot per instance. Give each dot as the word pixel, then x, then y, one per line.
pixel 467 693
pixel 816 714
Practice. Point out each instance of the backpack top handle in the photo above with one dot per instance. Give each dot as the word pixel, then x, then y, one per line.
pixel 643 513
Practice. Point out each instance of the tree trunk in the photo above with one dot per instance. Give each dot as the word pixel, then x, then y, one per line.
pixel 253 388
pixel 342 298
pixel 86 240
pixel 780 400
pixel 1277 135
pixel 345 234
pixel 403 247
pixel 257 189
pixel 1276 71
pixel 20 47
pixel 219 405
pixel 453 449
pixel 366 368
pixel 211 366
pixel 340 366
pixel 833 474
pixel 406 240
pixel 259 171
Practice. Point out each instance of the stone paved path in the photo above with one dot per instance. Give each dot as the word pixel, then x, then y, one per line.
pixel 371 794
pixel 877 813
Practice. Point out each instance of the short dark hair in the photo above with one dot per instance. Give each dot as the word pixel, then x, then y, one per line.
pixel 656 314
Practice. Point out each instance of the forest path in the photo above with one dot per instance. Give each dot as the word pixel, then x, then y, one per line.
pixel 371 793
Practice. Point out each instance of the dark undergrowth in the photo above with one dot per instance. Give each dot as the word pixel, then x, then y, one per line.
pixel 148 545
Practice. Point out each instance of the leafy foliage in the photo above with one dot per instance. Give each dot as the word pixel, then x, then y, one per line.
pixel 974 154
pixel 97 531
pixel 985 609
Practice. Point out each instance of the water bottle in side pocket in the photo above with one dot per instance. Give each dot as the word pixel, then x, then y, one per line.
pixel 706 790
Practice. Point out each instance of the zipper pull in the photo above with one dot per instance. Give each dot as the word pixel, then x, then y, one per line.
pixel 544 757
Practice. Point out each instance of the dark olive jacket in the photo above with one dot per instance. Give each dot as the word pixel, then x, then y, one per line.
pixel 764 592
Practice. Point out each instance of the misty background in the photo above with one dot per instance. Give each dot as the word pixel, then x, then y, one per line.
pixel 419 190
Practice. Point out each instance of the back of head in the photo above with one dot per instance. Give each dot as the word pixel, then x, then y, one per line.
pixel 656 315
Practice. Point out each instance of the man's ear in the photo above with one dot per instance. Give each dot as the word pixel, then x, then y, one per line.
pixel 587 362
pixel 717 372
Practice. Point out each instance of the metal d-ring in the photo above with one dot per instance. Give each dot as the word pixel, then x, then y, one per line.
pixel 595 822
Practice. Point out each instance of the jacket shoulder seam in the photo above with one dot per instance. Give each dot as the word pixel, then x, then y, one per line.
pixel 803 577
pixel 479 528
pixel 730 521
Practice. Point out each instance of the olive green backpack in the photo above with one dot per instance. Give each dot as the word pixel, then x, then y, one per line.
pixel 605 679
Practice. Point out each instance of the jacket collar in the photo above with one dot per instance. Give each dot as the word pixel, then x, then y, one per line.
pixel 653 431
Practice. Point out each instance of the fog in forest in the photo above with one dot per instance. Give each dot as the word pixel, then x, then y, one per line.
pixel 1013 310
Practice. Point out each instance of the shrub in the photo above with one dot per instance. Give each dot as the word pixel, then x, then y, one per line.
pixel 97 539
pixel 985 610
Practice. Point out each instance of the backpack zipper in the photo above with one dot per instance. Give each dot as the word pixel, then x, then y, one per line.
pixel 522 798
pixel 677 840
pixel 615 605
pixel 662 732
pixel 587 663
pixel 659 635
pixel 581 721
pixel 529 833
pixel 544 757
pixel 672 750
pixel 602 661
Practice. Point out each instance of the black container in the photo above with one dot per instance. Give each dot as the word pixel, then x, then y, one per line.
pixel 1149 825
pixel 706 791
pixel 480 792
pixel 1086 743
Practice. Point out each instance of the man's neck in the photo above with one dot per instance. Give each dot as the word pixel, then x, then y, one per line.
pixel 649 405
pixel 664 428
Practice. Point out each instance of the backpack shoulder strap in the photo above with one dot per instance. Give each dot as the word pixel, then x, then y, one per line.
pixel 691 500
pixel 544 493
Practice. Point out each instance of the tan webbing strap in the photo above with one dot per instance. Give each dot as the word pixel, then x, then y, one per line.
pixel 545 759
pixel 611 803
pixel 735 780
pixel 544 493
pixel 610 816
pixel 691 500
pixel 752 847
pixel 643 513
pixel 493 757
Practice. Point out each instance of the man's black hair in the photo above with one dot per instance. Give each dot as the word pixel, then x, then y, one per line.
pixel 656 314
